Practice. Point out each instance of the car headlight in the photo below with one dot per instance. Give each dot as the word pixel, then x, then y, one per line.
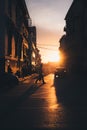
pixel 56 76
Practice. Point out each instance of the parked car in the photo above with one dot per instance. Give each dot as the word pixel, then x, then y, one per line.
pixel 60 73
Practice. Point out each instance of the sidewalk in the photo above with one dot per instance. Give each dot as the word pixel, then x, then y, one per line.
pixel 32 76
pixel 11 97
pixel 16 91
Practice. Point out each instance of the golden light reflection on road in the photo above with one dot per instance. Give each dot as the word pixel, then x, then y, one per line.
pixel 51 97
pixel 53 104
pixel 43 106
pixel 54 113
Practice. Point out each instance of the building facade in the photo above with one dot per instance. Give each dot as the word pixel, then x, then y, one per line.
pixel 74 43
pixel 14 34
pixel 34 56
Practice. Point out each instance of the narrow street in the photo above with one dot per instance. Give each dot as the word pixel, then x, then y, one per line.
pixel 35 106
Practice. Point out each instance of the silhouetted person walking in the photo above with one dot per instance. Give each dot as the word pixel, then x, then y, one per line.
pixel 40 75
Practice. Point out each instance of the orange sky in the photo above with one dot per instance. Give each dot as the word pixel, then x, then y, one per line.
pixel 48 17
pixel 48 44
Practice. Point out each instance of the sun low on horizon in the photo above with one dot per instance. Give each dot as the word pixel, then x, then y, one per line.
pixel 48 17
pixel 50 56
pixel 53 57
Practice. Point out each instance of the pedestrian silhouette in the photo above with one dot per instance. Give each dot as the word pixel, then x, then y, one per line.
pixel 40 75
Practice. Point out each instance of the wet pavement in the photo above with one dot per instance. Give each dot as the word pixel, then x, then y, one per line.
pixel 36 106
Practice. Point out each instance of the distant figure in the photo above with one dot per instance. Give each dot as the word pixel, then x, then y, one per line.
pixel 40 75
pixel 9 69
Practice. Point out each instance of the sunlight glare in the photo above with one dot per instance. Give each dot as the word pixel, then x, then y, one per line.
pixel 53 57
